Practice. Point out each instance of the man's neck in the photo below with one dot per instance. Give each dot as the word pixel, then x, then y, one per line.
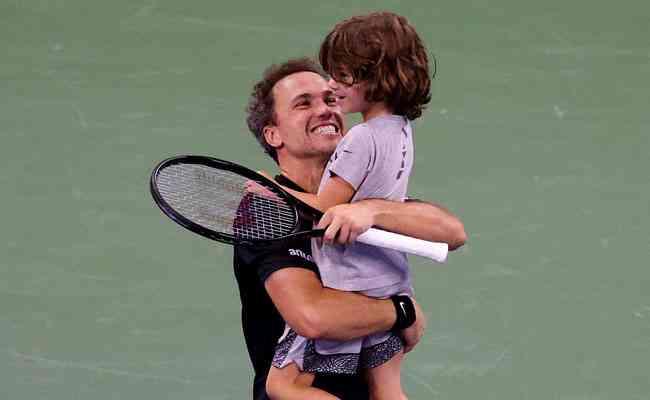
pixel 306 173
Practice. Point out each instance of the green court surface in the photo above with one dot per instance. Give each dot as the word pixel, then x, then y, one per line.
pixel 536 136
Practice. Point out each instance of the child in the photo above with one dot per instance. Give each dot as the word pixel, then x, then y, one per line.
pixel 379 68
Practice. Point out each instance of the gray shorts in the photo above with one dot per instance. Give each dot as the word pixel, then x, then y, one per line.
pixel 340 357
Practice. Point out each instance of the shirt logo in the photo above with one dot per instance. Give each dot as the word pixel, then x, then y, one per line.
pixel 301 254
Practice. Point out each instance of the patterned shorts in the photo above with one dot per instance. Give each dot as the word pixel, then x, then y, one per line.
pixel 335 357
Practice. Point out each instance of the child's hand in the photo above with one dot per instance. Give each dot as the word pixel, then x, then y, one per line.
pixel 345 222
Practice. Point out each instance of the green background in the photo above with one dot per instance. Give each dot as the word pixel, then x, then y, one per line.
pixel 536 136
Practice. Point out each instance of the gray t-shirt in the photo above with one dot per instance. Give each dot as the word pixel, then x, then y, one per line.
pixel 375 158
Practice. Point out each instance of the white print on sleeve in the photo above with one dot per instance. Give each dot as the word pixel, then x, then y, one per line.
pixel 301 254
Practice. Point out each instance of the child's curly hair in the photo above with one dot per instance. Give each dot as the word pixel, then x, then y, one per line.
pixel 383 50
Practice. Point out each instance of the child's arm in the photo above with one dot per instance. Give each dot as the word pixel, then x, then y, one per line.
pixel 336 191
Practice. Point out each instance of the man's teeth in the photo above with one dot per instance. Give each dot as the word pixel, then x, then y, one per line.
pixel 326 130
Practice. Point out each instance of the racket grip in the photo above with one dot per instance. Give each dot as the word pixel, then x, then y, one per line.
pixel 434 250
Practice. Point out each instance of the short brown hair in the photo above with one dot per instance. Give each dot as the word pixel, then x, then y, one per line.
pixel 385 51
pixel 261 105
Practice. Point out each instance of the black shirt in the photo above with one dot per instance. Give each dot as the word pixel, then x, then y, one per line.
pixel 261 322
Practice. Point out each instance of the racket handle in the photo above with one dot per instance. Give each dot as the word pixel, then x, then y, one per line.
pixel 423 248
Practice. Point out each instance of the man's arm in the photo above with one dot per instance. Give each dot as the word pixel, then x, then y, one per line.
pixel 314 311
pixel 414 218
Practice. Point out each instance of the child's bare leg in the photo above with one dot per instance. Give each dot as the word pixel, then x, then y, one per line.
pixel 384 380
pixel 289 383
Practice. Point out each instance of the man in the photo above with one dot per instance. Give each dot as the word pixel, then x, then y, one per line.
pixel 297 120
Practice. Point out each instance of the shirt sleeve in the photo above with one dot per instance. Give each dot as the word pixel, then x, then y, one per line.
pixel 354 156
pixel 269 259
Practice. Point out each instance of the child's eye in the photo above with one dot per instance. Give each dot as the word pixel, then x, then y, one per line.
pixel 346 79
pixel 330 100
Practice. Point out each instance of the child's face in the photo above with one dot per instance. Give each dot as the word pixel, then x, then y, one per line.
pixel 351 97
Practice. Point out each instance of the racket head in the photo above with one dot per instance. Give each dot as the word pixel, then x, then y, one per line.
pixel 225 201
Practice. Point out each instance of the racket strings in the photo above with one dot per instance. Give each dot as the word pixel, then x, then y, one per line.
pixel 225 202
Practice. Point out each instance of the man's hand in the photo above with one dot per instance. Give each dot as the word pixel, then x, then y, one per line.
pixel 343 223
pixel 414 333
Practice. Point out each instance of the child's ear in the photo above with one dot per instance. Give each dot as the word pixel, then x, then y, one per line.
pixel 272 136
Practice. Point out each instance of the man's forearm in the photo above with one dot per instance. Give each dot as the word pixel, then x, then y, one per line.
pixel 418 219
pixel 347 315
pixel 317 312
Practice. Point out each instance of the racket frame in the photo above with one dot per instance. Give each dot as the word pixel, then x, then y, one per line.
pixel 302 211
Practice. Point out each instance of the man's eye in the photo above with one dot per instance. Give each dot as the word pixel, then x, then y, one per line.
pixel 330 100
pixel 302 104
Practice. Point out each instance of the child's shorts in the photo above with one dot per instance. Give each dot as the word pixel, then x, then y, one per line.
pixel 335 357
pixel 341 357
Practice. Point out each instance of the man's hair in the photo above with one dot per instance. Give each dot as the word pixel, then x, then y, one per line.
pixel 261 105
pixel 383 50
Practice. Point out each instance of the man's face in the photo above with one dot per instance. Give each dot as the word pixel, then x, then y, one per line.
pixel 309 122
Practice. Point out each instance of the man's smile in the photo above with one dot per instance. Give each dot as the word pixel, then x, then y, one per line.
pixel 326 129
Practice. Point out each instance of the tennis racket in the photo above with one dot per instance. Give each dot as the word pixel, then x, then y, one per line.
pixel 232 204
